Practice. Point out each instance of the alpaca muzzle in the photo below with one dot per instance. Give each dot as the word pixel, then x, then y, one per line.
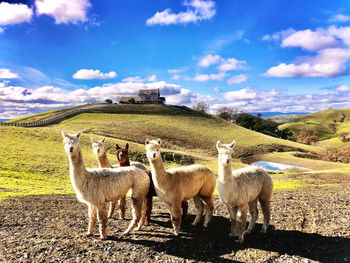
pixel 154 155
pixel 71 149
pixel 227 161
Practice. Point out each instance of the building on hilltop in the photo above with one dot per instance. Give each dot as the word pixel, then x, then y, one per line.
pixel 146 96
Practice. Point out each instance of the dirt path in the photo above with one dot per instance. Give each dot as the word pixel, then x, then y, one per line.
pixel 307 225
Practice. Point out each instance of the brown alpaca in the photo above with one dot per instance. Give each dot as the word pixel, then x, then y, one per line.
pixel 123 158
pixel 173 186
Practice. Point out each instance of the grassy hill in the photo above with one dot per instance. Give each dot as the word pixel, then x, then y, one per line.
pixel 33 161
pixel 322 121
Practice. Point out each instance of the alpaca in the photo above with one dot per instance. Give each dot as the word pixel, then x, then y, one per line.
pixel 98 148
pixel 240 189
pixel 123 158
pixel 178 184
pixel 94 187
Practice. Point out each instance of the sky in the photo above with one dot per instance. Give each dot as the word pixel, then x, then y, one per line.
pixel 256 56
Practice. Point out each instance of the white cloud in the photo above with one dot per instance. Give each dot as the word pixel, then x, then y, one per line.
pixel 152 78
pixel 342 88
pixel 209 60
pixel 328 63
pixel 232 64
pixel 197 10
pixel 64 11
pixel 177 70
pixel 279 35
pixel 333 52
pixel 339 18
pixel 176 77
pixel 310 40
pixel 237 79
pixel 136 79
pixel 14 13
pixel 207 77
pixel 5 73
pixel 243 94
pixel 93 74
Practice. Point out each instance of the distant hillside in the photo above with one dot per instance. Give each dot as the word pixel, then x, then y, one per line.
pixel 284 118
pixel 329 123
pixel 111 108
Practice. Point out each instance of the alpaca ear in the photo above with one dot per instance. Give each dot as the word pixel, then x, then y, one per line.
pixel 127 145
pixel 147 141
pixel 78 134
pixel 159 141
pixel 117 146
pixel 103 139
pixel 218 144
pixel 64 134
pixel 233 144
pixel 92 140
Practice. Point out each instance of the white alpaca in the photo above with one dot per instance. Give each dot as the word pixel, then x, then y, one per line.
pixel 94 187
pixel 173 186
pixel 98 148
pixel 242 188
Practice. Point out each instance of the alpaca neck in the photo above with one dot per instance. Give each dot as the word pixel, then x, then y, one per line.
pixel 124 163
pixel 224 173
pixel 103 161
pixel 158 170
pixel 77 168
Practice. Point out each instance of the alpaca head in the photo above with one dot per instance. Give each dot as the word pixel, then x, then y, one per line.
pixel 98 147
pixel 153 149
pixel 122 153
pixel 225 152
pixel 71 142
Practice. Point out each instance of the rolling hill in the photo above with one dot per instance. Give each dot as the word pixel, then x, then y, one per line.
pixel 33 161
pixel 329 123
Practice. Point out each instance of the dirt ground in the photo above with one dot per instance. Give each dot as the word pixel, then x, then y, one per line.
pixel 308 225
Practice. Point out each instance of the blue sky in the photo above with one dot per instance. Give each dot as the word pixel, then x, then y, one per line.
pixel 257 56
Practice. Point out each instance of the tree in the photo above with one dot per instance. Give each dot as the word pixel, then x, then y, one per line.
pixel 227 113
pixel 342 136
pixel 308 136
pixel 109 101
pixel 132 101
pixel 201 107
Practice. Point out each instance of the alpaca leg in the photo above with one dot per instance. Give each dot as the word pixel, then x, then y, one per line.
pixel 136 214
pixel 111 208
pixel 253 210
pixel 233 215
pixel 143 215
pixel 122 206
pixel 200 208
pixel 209 209
pixel 265 207
pixel 184 206
pixel 241 221
pixel 102 220
pixel 148 200
pixel 176 218
pixel 92 219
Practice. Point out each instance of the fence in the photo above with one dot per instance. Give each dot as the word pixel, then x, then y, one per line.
pixel 46 122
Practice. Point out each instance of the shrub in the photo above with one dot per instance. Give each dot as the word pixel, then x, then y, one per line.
pixel 337 154
pixel 308 136
pixel 342 136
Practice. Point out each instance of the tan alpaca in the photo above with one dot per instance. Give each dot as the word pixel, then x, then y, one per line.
pixel 243 188
pixel 178 184
pixel 98 148
pixel 95 187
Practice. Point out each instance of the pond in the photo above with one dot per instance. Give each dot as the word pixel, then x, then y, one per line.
pixel 277 166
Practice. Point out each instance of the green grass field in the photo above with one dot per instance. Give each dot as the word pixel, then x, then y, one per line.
pixel 33 161
pixel 321 121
